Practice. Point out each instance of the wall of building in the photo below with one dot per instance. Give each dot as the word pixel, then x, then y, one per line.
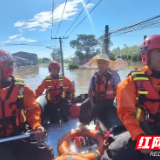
pixel 29 56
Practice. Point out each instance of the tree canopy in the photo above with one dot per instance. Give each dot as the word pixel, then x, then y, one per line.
pixel 128 52
pixel 56 55
pixel 85 45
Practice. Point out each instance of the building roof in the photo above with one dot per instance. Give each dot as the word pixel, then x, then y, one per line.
pixel 17 57
pixel 22 52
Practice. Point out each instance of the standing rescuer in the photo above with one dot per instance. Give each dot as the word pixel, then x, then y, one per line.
pixel 102 91
pixel 18 106
pixel 138 99
pixel 58 89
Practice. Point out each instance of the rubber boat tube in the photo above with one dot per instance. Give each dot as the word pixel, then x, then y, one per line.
pixel 63 144
pixel 71 157
pixel 42 102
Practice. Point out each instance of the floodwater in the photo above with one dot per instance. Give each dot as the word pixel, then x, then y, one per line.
pixel 34 75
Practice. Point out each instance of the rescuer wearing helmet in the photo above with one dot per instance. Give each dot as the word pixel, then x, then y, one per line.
pixel 58 89
pixel 102 92
pixel 18 108
pixel 138 101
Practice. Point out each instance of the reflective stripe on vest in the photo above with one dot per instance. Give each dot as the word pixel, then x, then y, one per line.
pixel 23 114
pixel 135 73
pixel 143 92
pixel 140 78
pixel 138 114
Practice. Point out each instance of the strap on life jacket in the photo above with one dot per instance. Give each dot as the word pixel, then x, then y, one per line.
pixel 14 119
pixel 140 75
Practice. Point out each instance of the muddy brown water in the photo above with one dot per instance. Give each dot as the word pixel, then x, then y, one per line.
pixel 34 75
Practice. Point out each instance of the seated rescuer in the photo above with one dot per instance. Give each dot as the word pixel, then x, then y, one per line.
pixel 102 91
pixel 18 106
pixel 137 97
pixel 58 89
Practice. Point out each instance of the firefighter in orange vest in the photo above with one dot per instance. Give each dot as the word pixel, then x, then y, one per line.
pixel 102 91
pixel 18 107
pixel 138 101
pixel 58 90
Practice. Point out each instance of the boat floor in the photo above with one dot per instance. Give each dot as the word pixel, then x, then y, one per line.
pixel 56 131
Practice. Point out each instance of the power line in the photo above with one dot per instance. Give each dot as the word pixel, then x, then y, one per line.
pixel 77 17
pixel 139 23
pixel 61 17
pixel 85 17
pixel 134 28
pixel 52 17
pixel 52 12
pixel 20 44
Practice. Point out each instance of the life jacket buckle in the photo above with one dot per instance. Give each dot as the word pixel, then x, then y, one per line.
pixel 146 116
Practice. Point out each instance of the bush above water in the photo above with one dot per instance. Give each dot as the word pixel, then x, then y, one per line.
pixel 73 65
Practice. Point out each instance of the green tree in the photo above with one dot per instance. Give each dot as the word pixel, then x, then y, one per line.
pixel 85 45
pixel 56 55
pixel 116 52
pixel 129 53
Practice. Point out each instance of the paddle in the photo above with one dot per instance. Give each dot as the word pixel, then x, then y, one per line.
pixel 22 136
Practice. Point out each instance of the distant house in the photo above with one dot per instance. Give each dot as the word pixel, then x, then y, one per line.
pixel 25 58
pixel 23 61
pixel 45 59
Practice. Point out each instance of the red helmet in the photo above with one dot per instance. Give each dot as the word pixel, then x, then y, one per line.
pixel 6 63
pixel 150 43
pixel 54 64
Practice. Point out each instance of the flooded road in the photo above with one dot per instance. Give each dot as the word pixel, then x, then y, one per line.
pixel 34 75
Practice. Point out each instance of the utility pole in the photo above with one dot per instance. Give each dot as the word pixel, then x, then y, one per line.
pixel 60 42
pixel 106 40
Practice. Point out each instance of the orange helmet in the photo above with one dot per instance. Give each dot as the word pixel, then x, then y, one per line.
pixel 6 63
pixel 54 64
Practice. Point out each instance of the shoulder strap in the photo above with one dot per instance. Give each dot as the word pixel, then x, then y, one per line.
pixel 94 82
pixel 14 81
pixel 48 78
pixel 108 78
pixel 10 89
pixel 20 82
pixel 61 78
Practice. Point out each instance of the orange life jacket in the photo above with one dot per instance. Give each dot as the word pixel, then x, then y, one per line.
pixel 102 88
pixel 12 113
pixel 55 92
pixel 147 99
